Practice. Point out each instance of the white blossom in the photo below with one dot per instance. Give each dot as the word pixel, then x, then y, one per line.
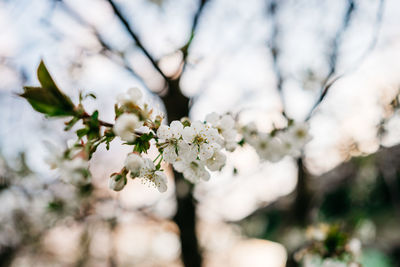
pixel 299 134
pixel 134 164
pixel 294 139
pixel 203 137
pixel 154 177
pixel 354 246
pixel 117 182
pixel 170 135
pixel 193 171
pixel 267 147
pixel 125 126
pixel 74 171
pixel 131 97
pixel 187 151
pixel 217 161
pixel 226 127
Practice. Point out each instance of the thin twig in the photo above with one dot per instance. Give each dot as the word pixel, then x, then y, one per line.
pixel 185 48
pixel 273 46
pixel 334 55
pixel 135 37
pixel 106 49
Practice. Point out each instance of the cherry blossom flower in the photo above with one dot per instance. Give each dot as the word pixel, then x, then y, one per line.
pixel 171 135
pixel 193 171
pixel 152 176
pixel 125 126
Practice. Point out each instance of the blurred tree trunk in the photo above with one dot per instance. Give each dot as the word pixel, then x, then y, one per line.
pixel 177 106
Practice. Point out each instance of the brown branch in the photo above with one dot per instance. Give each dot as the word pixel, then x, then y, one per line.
pixel 135 37
pixel 334 55
pixel 321 97
pixel 106 49
pixel 185 48
pixel 274 49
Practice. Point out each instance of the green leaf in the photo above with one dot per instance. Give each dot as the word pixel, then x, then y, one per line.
pixel 94 126
pixel 47 82
pixel 44 101
pixel 48 99
pixel 82 132
pixel 56 205
pixel 142 143
pixel 71 123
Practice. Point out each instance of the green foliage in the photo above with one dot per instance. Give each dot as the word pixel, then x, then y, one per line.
pixel 335 240
pixel 85 190
pixel 142 143
pixel 92 127
pixel 56 205
pixel 48 99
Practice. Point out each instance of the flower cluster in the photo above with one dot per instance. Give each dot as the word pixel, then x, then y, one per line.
pixel 279 143
pixel 72 165
pixel 329 245
pixel 192 148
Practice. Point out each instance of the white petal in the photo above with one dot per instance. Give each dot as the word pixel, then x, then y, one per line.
pixel 135 94
pixel 147 167
pixel 216 162
pixel 198 127
pixel 206 151
pixel 187 152
pixel 160 180
pixel 180 165
pixel 164 132
pixel 229 135
pixel 226 122
pixel 212 118
pixel 191 176
pixel 231 146
pixel 188 134
pixel 176 129
pixel 205 175
pixel 169 154
pixel 213 136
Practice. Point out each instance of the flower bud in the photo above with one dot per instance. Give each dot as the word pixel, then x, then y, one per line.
pixel 117 182
pixel 134 163
pixel 185 121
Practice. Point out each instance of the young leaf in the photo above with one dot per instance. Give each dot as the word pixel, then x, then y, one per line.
pixel 44 101
pixel 48 99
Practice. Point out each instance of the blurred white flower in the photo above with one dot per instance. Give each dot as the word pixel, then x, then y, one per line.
pixel 226 127
pixel 354 246
pixel 131 97
pixel 217 161
pixel 125 126
pixel 267 147
pixel 193 171
pixel 74 171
